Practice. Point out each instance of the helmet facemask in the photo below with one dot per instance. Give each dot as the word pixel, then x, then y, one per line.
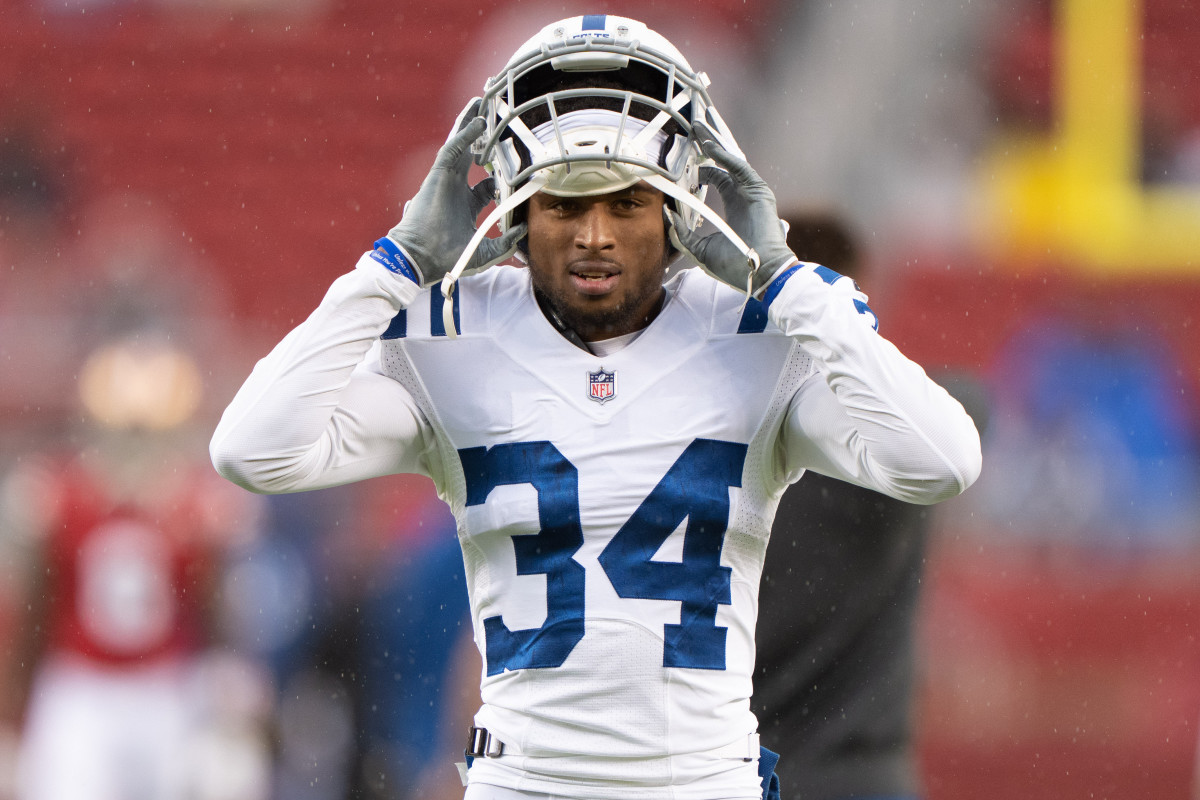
pixel 593 105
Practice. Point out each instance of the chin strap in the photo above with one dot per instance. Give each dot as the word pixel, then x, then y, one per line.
pixel 531 187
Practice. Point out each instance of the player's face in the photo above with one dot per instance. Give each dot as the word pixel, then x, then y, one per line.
pixel 600 261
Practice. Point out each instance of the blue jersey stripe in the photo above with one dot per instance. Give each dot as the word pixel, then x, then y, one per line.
pixel 827 275
pixel 754 318
pixel 436 301
pixel 866 311
pixel 398 328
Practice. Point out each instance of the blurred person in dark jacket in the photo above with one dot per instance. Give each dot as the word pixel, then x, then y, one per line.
pixel 834 674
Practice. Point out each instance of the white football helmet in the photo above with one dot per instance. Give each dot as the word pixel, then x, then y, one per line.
pixel 590 105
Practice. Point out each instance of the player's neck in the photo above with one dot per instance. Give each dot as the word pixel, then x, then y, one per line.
pixel 587 339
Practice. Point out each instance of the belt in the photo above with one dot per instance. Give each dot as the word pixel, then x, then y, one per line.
pixel 482 744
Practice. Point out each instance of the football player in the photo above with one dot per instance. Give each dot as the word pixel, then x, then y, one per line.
pixel 612 446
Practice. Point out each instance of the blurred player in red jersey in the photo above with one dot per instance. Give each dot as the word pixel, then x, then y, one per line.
pixel 123 539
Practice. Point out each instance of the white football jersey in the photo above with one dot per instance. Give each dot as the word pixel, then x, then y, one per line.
pixel 613 515
pixel 613 512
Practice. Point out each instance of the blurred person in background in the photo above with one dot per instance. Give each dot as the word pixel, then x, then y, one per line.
pixel 289 604
pixel 121 692
pixel 834 672
pixel 113 529
pixel 354 601
pixel 420 668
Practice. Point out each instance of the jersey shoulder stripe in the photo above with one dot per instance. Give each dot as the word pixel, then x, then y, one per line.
pixel 729 309
pixel 423 319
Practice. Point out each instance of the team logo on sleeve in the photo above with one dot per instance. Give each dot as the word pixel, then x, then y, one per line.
pixel 602 385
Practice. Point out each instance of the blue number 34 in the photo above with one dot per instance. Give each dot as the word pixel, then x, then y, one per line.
pixel 695 488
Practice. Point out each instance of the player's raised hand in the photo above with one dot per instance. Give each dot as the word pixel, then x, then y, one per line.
pixel 749 209
pixel 439 220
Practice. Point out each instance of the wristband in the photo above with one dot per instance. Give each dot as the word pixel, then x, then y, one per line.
pixel 776 284
pixel 386 252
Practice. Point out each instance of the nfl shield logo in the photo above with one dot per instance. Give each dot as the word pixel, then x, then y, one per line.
pixel 602 386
